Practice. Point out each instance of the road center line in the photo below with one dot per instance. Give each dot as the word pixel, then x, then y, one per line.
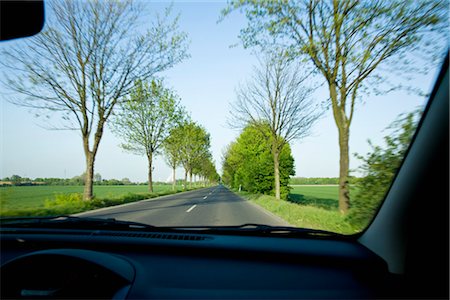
pixel 205 197
pixel 192 207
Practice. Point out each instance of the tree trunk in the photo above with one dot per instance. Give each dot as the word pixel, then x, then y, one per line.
pixel 276 168
pixel 344 191
pixel 174 181
pixel 185 179
pixel 88 183
pixel 150 171
pixel 343 125
pixel 190 179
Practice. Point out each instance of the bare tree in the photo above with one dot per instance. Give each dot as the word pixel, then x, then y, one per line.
pixel 277 96
pixel 87 58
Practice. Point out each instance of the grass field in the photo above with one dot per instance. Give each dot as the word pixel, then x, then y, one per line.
pixel 20 197
pixel 308 207
pixel 325 197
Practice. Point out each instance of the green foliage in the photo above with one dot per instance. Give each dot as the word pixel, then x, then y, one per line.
pixel 172 149
pixel 74 200
pixel 314 180
pixel 145 120
pixel 320 180
pixel 189 143
pixel 357 47
pixel 74 181
pixel 380 166
pixel 147 116
pixel 326 33
pixel 248 162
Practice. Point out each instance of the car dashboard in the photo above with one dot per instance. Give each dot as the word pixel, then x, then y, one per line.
pixel 105 264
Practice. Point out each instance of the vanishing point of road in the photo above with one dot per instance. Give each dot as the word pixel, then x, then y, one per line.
pixel 214 206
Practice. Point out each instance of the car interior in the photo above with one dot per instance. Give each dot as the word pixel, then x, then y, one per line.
pixel 403 253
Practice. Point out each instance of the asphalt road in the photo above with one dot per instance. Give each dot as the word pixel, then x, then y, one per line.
pixel 215 206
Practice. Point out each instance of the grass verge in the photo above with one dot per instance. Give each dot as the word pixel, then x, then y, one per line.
pixel 305 216
pixel 64 204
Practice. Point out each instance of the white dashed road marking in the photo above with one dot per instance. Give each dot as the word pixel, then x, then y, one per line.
pixel 192 207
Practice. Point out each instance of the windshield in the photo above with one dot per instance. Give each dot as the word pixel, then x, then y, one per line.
pixel 281 113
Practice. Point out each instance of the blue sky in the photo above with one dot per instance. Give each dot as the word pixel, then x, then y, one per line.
pixel 206 83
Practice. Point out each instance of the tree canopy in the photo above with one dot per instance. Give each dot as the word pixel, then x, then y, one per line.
pixel 188 144
pixel 248 163
pixel 145 118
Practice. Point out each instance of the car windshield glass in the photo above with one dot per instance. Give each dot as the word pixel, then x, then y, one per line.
pixel 191 114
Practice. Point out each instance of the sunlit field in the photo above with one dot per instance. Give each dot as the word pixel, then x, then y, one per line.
pixel 18 197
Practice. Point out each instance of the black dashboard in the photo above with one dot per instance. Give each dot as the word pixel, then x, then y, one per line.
pixel 102 264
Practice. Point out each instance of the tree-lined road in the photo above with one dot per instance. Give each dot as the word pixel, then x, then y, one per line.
pixel 204 207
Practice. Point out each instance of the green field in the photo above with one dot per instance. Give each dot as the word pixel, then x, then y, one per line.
pixel 308 207
pixel 325 197
pixel 21 197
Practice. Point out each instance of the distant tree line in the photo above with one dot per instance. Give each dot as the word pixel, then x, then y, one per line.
pixel 320 180
pixel 16 180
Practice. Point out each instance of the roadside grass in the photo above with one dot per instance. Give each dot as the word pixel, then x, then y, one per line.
pixel 56 200
pixel 307 207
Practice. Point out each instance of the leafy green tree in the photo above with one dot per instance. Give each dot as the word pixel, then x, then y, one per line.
pixel 379 167
pixel 86 59
pixel 206 170
pixel 248 163
pixel 193 143
pixel 145 119
pixel 348 42
pixel 172 153
pixel 278 102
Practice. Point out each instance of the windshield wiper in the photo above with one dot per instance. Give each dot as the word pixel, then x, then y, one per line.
pixel 262 229
pixel 71 222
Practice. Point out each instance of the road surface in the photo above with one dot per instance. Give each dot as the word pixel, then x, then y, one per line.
pixel 215 206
